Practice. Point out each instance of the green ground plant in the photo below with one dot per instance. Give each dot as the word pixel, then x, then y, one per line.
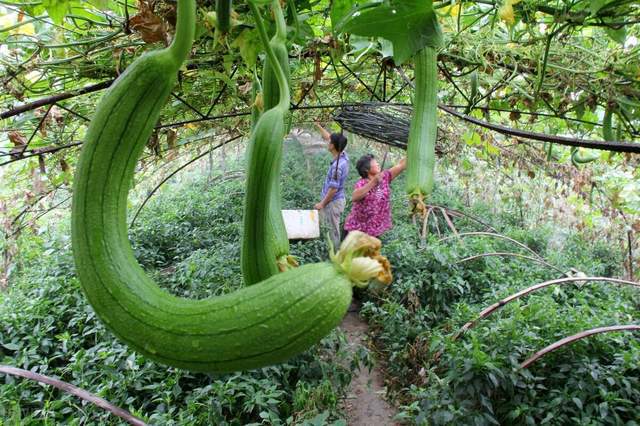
pixel 189 238
pixel 476 379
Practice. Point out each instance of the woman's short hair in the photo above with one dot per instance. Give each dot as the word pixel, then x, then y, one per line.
pixel 364 165
pixel 339 141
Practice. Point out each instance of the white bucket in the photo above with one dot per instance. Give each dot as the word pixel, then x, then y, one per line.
pixel 301 224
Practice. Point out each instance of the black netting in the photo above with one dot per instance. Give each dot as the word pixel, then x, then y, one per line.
pixel 381 122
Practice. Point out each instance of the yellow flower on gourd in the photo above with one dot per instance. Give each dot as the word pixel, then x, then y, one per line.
pixel 506 13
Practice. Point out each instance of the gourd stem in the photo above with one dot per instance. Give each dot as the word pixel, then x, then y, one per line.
pixel 285 100
pixel 281 24
pixel 185 31
pixel 294 13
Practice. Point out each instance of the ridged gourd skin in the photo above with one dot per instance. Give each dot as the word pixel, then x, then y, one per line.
pixel 423 130
pixel 276 233
pixel 258 256
pixel 223 15
pixel 265 252
pixel 270 87
pixel 250 328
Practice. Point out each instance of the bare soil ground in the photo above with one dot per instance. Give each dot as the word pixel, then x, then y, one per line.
pixel 365 404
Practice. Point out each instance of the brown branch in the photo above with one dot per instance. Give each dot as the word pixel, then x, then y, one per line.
pixel 360 80
pixel 488 311
pixel 613 146
pixel 447 219
pixel 576 337
pixel 38 216
pixel 54 99
pixel 76 391
pixel 188 105
pixel 423 234
pixel 40 151
pixel 458 213
pixel 561 140
pixel 34 203
pixel 219 96
pixel 35 131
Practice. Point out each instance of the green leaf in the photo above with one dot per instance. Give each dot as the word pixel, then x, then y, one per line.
pixel 386 48
pixel 596 5
pixel 99 4
pixel 11 346
pixel 472 138
pixel 56 9
pixel 467 165
pixel 249 43
pixel 410 25
pixel 339 9
pixel 619 35
pixel 578 402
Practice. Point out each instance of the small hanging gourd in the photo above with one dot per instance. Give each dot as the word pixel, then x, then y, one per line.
pixel 265 245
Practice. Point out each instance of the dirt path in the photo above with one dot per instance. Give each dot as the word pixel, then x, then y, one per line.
pixel 365 404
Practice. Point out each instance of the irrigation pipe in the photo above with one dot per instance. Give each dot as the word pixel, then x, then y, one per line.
pixel 489 310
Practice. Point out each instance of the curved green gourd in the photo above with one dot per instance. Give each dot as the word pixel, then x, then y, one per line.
pixel 578 157
pixel 265 246
pixel 424 126
pixel 249 328
pixel 473 93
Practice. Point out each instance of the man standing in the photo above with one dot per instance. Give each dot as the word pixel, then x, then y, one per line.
pixel 332 204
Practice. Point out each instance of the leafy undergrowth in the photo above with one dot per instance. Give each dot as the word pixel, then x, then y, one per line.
pixel 188 238
pixel 476 379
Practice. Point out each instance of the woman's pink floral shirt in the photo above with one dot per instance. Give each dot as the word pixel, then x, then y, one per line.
pixel 372 213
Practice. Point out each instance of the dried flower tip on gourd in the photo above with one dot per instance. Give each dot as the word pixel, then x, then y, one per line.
pixel 363 269
pixel 384 276
pixel 359 244
pixel 417 204
pixel 360 259
pixel 259 102
pixel 286 262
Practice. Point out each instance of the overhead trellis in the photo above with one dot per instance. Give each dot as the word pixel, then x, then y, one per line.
pixel 380 121
pixel 389 124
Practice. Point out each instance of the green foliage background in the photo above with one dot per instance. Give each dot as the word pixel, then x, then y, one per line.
pixel 546 67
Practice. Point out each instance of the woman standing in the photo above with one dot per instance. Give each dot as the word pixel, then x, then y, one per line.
pixel 332 204
pixel 371 210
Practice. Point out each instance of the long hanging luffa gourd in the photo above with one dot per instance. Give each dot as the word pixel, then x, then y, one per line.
pixel 249 328
pixel 421 154
pixel 265 252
